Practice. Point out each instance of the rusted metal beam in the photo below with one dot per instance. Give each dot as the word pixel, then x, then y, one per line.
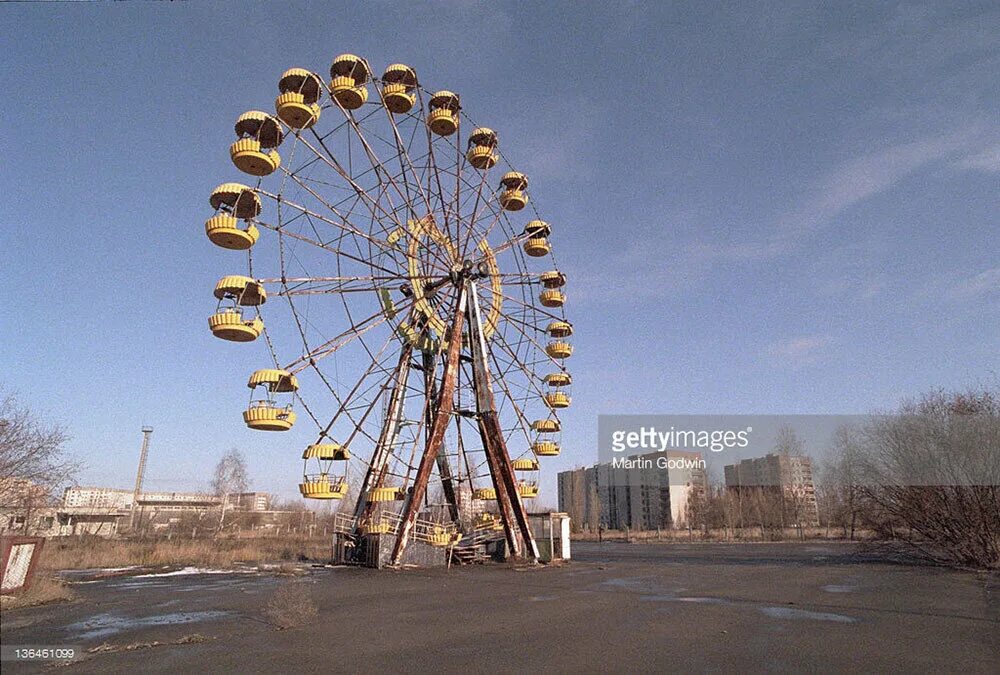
pixel 443 465
pixel 442 418
pixel 377 469
pixel 512 512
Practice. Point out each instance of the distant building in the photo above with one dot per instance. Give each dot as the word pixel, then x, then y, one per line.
pixel 97 498
pixel 788 477
pixel 250 501
pixel 117 498
pixel 643 492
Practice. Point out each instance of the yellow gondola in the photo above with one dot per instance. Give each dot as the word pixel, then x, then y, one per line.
pixel 486 493
pixel 386 494
pixel 558 349
pixel 442 538
pixel 553 279
pixel 377 527
pixel 298 103
pixel 545 448
pixel 327 452
pixel 322 487
pixel 442 116
pixel 233 202
pixel 513 196
pixel 482 148
pixel 527 490
pixel 233 293
pixel 559 329
pixel 487 521
pixel 546 426
pixel 552 298
pixel 265 414
pixel 399 83
pixel 537 247
pixel 557 400
pixel 229 324
pixel 525 464
pixel 349 76
pixel 257 134
pixel 560 379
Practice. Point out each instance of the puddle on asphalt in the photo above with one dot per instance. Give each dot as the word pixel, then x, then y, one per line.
pixel 839 588
pixel 705 601
pixel 633 584
pixel 692 599
pixel 789 613
pixel 542 598
pixel 106 625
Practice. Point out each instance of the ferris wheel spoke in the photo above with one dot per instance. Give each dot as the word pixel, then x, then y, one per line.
pixel 378 166
pixel 342 224
pixel 405 161
pixel 530 379
pixel 326 247
pixel 434 181
pixel 530 339
pixel 523 422
pixel 331 346
pixel 475 213
pixel 534 309
pixel 330 159
pixel 344 403
pixel 360 197
pixel 330 285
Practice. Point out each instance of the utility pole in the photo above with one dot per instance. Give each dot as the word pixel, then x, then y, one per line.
pixel 146 433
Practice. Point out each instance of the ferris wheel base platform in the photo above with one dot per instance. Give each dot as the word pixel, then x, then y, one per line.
pixel 375 551
pixel 551 532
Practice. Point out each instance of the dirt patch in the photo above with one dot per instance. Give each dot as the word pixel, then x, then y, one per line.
pixel 46 589
pixel 291 605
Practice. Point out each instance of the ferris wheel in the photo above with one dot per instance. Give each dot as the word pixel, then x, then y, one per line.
pixel 417 320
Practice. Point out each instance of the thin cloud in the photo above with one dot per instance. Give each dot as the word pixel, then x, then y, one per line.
pixel 976 286
pixel 872 174
pixel 799 350
pixel 988 160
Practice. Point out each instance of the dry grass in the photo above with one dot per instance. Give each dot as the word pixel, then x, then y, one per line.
pixel 291 605
pixel 746 535
pixel 91 552
pixel 43 590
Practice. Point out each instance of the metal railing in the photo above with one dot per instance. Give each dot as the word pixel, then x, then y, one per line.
pixel 389 522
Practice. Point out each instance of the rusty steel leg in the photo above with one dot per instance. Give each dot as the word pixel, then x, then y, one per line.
pixel 442 418
pixel 504 501
pixel 512 513
pixel 375 474
pixel 443 465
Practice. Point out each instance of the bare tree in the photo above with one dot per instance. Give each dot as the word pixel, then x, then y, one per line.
pixel 787 442
pixel 33 459
pixel 930 477
pixel 230 478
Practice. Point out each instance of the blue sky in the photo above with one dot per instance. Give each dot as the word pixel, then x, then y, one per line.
pixel 785 209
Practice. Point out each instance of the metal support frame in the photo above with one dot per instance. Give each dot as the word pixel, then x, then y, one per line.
pixel 512 512
pixel 387 438
pixel 442 418
pixel 443 465
pixel 513 515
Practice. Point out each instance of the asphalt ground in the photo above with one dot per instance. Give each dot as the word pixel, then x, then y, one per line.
pixel 616 607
